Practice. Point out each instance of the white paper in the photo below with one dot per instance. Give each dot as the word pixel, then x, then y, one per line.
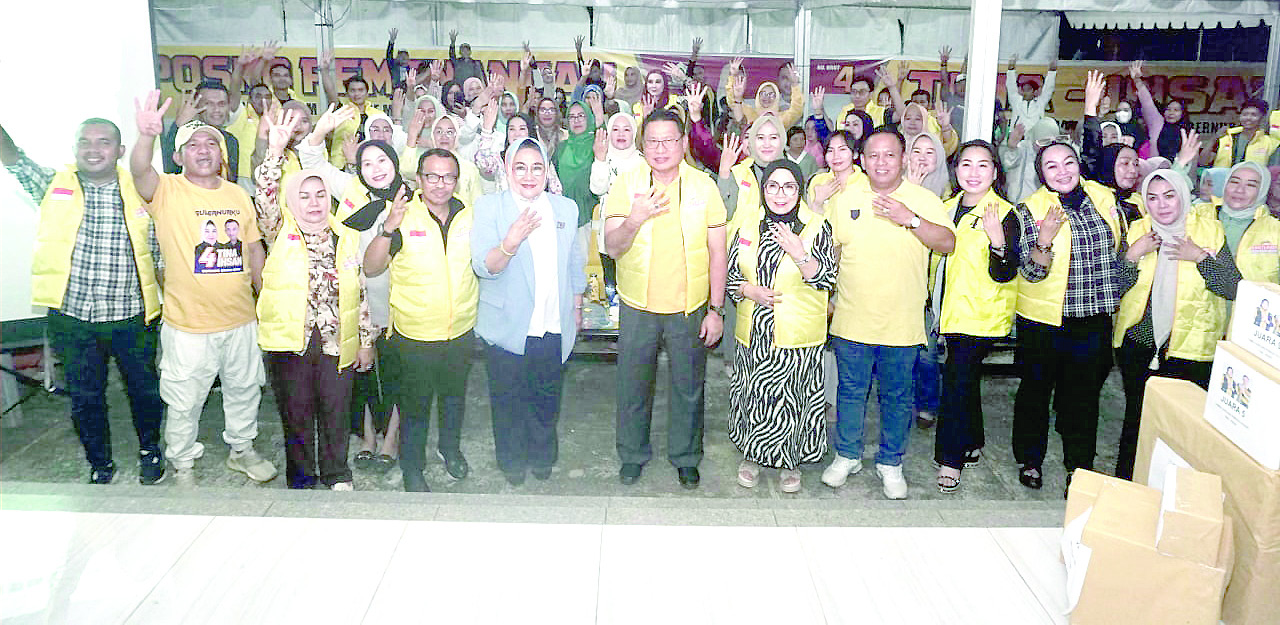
pixel 1167 501
pixel 1162 458
pixel 1076 556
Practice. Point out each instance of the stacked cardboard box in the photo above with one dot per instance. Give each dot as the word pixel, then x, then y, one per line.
pixel 1137 556
pixel 1176 432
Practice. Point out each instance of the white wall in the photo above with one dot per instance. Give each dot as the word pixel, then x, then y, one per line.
pixel 87 58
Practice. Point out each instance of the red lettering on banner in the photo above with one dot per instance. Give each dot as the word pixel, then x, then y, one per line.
pixel 217 68
pixel 186 72
pixel 310 79
pixel 378 75
pixel 1229 93
pixel 164 68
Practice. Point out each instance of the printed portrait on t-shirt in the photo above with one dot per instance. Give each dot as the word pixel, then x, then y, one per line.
pixel 214 255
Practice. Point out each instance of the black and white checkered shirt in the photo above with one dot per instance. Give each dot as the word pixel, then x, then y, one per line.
pixel 1093 276
pixel 103 284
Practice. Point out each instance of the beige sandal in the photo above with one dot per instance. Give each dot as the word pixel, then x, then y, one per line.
pixel 748 474
pixel 789 480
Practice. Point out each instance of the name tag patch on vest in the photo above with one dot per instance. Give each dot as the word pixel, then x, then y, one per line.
pixel 744 242
pixel 294 237
pixel 746 184
pixel 349 203
pixel 61 193
pixel 1266 247
pixel 417 233
pixel 853 214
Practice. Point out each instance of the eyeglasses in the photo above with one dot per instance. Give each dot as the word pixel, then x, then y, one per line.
pixel 577 116
pixel 662 143
pixel 522 170
pixel 1052 140
pixel 438 178
pixel 546 109
pixel 447 133
pixel 787 189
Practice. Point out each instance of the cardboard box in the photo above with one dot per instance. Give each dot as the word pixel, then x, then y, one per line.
pixel 1191 516
pixel 1174 433
pixel 1244 403
pixel 1255 321
pixel 1124 538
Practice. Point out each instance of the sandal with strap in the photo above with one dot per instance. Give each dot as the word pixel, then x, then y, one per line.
pixel 1031 477
pixel 789 480
pixel 748 474
pixel 948 484
pixel 364 460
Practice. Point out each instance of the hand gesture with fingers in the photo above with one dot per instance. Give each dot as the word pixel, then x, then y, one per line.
pixel 349 145
pixel 398 208
pixel 1135 70
pixel 944 55
pixel 992 226
pixel 333 117
pixel 730 151
pixel 943 114
pixel 1050 225
pixel 648 102
pixel 647 205
pixel 1184 248
pixel 527 222
pixel 453 35
pixel 892 209
pixel 763 296
pixel 1144 245
pixel 817 99
pixel 1094 85
pixel 601 144
pixel 788 240
pixel 823 192
pixel 675 71
pixel 915 171
pixel 1191 145
pixel 437 70
pixel 694 92
pixel 149 114
pixel 280 129
pixel 187 110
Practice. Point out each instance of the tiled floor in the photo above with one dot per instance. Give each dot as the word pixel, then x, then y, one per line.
pixel 106 568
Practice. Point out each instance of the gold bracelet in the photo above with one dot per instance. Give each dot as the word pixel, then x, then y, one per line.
pixel 503 249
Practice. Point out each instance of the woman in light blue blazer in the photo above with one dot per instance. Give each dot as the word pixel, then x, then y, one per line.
pixel 532 273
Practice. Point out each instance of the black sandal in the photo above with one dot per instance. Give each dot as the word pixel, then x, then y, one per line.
pixel 364 460
pixel 972 458
pixel 948 484
pixel 1031 477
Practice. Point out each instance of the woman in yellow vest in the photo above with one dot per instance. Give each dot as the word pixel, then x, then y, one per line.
pixel 313 319
pixel 1175 311
pixel 1071 249
pixel 739 183
pixel 782 267
pixel 977 297
pixel 1253 235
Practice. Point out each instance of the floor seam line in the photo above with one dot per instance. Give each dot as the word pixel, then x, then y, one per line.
pixel 1048 615
pixel 381 578
pixel 169 570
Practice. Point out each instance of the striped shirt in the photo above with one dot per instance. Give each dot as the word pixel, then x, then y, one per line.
pixel 103 283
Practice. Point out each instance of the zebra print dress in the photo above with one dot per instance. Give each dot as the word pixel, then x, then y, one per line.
pixel 777 411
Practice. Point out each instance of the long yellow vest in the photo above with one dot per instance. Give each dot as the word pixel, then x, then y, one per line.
pixel 748 208
pixel 973 303
pixel 282 305
pixel 434 292
pixel 800 318
pixel 61 213
pixel 1258 255
pixel 354 197
pixel 1199 317
pixel 633 266
pixel 1258 151
pixel 1042 301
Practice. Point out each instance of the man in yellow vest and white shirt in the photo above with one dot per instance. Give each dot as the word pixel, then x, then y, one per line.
pixel 665 225
pixel 210 322
pixel 94 270
pixel 886 228
pixel 1250 141
pixel 425 243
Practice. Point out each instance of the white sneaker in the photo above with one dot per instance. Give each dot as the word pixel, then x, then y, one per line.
pixel 343 486
pixel 251 464
pixel 840 470
pixel 184 478
pixel 895 486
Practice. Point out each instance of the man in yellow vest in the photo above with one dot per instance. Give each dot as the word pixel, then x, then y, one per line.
pixel 210 321
pixel 425 243
pixel 886 228
pixel 1250 141
pixel 94 270
pixel 665 225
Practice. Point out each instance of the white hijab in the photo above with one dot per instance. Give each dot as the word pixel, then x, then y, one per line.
pixel 1164 286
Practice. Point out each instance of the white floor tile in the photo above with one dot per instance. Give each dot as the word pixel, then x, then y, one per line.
pixel 955 576
pixel 704 575
pixel 1035 553
pixel 247 570
pixel 86 568
pixel 461 573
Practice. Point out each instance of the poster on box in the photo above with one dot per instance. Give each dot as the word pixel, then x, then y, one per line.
pixel 1244 393
pixel 1255 321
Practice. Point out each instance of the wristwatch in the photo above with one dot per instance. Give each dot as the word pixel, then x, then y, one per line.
pixel 383 232
pixel 719 310
pixel 914 223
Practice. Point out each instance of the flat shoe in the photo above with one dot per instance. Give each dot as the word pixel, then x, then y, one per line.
pixel 688 477
pixel 365 460
pixel 748 474
pixel 1031 477
pixel 789 480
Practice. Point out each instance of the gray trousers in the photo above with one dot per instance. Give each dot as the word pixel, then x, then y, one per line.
pixel 640 334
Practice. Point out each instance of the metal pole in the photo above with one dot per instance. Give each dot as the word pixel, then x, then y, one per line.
pixel 983 70
pixel 801 40
pixel 324 42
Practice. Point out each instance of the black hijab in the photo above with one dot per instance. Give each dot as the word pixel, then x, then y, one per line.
pixel 367 215
pixel 1073 199
pixel 792 217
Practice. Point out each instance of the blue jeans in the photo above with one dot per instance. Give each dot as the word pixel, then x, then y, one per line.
pixel 892 366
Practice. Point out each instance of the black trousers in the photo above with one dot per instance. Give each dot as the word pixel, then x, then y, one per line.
pixel 960 424
pixel 1068 363
pixel 312 396
pixel 423 371
pixel 372 388
pixel 524 397
pixel 85 349
pixel 640 334
pixel 1134 361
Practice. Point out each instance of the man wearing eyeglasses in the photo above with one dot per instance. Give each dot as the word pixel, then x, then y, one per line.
pixel 425 242
pixel 665 225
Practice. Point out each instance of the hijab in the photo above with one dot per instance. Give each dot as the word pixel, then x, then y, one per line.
pixel 293 203
pixel 457 128
pixel 792 217
pixel 939 180
pixel 514 98
pixel 777 98
pixel 573 164
pixel 629 92
pixel 510 161
pixel 1103 126
pixel 1164 285
pixel 1073 199
pixel 615 155
pixel 548 136
pixel 396 133
pixel 760 122
pixel 1264 184
pixel 364 218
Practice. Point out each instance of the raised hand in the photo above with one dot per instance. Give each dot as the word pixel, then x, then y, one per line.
pixel 731 150
pixel 795 74
pixel 694 93
pixel 992 226
pixel 1135 70
pixel 1191 145
pixel 943 114
pixel 326 60
pixel 280 129
pixel 882 76
pixel 148 115
pixel 269 50
pixel 597 106
pixel 187 110
pixel 578 41
pixel 1094 85
pixel 1016 134
pixel 1050 225
pixel 648 102
pixel 601 144
pixel 915 171
pixel 349 145
pixel 819 94
pixel 527 222
pixel 437 70
pixel 398 208
pixel 697 46
pixel 675 71
pixel 412 80
pixel 944 55
pixel 498 81
pixel 392 33
pixel 789 241
pixel 453 35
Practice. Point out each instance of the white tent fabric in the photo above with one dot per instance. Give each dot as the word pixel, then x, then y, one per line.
pixel 1121 20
